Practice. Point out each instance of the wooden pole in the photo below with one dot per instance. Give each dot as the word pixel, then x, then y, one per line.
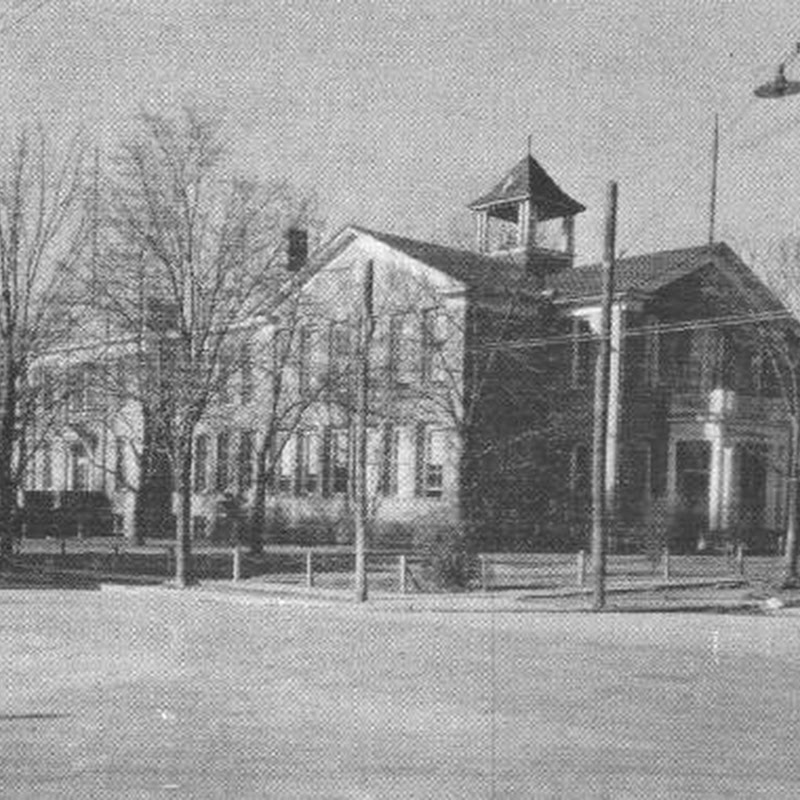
pixel 581 567
pixel 599 510
pixel 237 562
pixel 362 413
pixel 309 569
pixel 712 211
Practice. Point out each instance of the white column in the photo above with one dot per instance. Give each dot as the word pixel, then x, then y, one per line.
pixel 615 400
pixel 729 475
pixel 716 482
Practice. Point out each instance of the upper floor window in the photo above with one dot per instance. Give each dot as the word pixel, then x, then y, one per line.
pixel 200 463
pixel 402 347
pixel 78 388
pixel 434 340
pixel 681 360
pixel 340 353
pixel 641 354
pixel 246 380
pixel 310 360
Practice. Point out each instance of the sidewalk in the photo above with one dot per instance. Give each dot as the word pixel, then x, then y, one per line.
pixel 687 595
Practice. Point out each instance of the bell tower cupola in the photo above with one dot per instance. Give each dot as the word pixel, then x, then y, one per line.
pixel 527 213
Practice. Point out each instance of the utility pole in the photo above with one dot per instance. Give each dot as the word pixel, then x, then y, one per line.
pixel 599 493
pixel 712 211
pixel 366 323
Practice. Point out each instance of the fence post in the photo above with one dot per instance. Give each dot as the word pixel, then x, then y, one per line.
pixel 665 562
pixel 740 558
pixel 237 563
pixel 309 568
pixel 484 573
pixel 63 546
pixel 581 567
pixel 402 566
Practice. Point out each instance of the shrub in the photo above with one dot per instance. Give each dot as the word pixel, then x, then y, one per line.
pixel 449 560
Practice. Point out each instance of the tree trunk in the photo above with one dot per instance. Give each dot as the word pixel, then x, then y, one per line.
pixel 8 499
pixel 183 555
pixel 258 517
pixel 790 577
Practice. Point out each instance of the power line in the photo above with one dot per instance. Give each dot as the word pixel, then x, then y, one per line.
pixel 17 21
pixel 729 320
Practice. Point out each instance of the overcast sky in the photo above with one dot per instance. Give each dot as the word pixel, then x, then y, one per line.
pixel 399 113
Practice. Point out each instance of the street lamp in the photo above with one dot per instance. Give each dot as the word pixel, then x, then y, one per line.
pixel 780 85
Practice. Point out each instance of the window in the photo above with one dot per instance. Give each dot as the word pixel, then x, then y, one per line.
pixel 199 527
pixel 280 351
pixel 310 361
pixel 340 347
pixel 47 391
pixel 692 472
pixel 389 461
pixel 246 441
pixel 47 466
pixel 79 461
pixel 652 351
pixel 119 464
pixel 246 384
pixel 78 389
pixel 583 353
pixel 431 450
pixel 286 465
pixel 223 457
pixel 635 354
pixel 401 348
pixel 434 335
pixel 339 461
pixel 681 364
pixel 636 488
pixel 201 463
pixel 769 377
pixel 309 462
pixel 281 348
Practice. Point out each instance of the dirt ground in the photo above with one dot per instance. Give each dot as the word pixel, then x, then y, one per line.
pixel 158 693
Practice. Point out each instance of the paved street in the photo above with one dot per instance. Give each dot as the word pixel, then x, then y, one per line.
pixel 157 693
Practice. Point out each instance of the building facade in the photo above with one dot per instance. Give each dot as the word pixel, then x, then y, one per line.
pixel 480 370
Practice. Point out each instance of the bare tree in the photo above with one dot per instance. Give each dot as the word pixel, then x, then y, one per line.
pixel 190 258
pixel 292 388
pixel 42 234
pixel 767 340
pixel 779 342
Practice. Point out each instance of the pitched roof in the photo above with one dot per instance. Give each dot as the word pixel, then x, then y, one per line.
pixel 474 270
pixel 641 274
pixel 528 180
